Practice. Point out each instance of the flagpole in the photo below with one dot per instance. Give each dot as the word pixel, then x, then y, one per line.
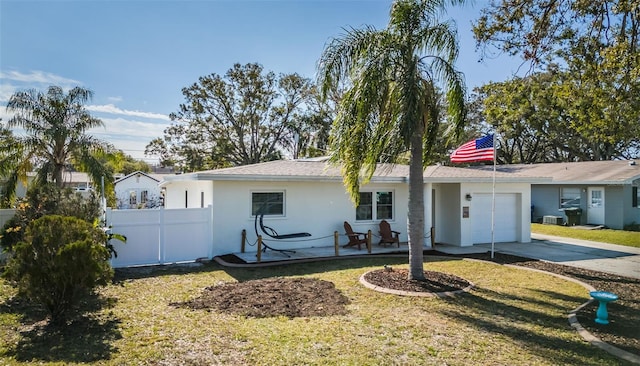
pixel 493 197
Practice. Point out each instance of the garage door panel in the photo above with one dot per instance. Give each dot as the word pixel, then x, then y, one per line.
pixel 505 229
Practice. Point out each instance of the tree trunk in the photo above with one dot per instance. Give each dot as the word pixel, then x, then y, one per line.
pixel 416 206
pixel 57 176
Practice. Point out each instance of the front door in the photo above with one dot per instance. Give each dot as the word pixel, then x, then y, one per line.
pixel 595 206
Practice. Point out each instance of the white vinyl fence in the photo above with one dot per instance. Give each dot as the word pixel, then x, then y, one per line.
pixel 161 236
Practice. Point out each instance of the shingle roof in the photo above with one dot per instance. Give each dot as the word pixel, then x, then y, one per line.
pixel 584 172
pixel 291 170
pixel 321 170
pixel 155 177
pixel 448 174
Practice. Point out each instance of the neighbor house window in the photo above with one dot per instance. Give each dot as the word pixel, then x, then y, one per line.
pixel 133 198
pixel 635 197
pixel 144 196
pixel 381 208
pixel 267 203
pixel 569 197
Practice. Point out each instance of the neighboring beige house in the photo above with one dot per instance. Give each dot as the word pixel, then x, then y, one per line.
pixel 76 180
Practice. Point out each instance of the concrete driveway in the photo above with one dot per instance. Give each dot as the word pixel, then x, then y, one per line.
pixel 610 258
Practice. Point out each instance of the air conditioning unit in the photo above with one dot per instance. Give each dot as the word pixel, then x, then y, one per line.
pixel 552 220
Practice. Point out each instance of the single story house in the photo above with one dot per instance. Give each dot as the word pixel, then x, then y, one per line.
pixel 307 195
pixel 605 192
pixel 76 180
pixel 138 190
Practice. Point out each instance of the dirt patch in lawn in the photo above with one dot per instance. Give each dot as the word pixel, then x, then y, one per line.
pixel 290 297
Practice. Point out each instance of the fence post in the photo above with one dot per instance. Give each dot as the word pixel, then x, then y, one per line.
pixel 369 241
pixel 433 237
pixel 162 232
pixel 259 245
pixel 335 243
pixel 244 240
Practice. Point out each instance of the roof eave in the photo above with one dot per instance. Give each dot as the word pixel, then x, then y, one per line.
pixel 484 180
pixel 291 178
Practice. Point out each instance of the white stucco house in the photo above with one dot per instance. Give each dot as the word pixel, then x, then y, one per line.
pixel 138 190
pixel 307 195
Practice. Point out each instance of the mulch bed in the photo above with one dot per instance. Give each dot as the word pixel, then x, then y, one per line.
pixel 396 279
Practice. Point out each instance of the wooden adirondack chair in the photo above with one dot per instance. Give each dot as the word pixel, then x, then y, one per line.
pixel 355 238
pixel 388 236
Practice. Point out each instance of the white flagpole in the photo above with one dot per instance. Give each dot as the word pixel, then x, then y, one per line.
pixel 493 197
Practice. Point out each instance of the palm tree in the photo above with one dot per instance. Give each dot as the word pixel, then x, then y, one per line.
pixel 391 106
pixel 55 136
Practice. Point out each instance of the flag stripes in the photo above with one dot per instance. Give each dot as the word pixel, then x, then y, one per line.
pixel 475 150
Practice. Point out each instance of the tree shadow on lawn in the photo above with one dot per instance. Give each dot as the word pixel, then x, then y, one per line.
pixel 283 268
pixel 84 338
pixel 260 272
pixel 534 330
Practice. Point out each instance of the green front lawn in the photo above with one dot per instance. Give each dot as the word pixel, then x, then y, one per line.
pixel 512 317
pixel 621 237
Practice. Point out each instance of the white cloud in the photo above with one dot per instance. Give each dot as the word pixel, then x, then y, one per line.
pixel 115 99
pixel 37 77
pixel 129 128
pixel 130 136
pixel 112 109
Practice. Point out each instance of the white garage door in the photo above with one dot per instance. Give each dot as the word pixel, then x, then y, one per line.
pixel 506 216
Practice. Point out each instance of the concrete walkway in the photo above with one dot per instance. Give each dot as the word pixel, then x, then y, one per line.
pixel 603 257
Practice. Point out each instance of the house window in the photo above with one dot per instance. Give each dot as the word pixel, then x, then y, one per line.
pixel 144 196
pixel 635 197
pixel 382 209
pixel 267 203
pixel 364 211
pixel 596 198
pixel 133 197
pixel 384 205
pixel 569 197
pixel 201 199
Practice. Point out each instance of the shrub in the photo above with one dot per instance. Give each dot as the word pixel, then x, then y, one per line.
pixel 43 200
pixel 60 260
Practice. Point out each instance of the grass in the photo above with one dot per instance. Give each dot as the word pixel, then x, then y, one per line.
pixel 620 237
pixel 513 316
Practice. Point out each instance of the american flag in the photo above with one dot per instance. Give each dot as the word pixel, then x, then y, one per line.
pixel 475 150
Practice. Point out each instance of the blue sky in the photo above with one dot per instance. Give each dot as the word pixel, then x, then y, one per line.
pixel 136 56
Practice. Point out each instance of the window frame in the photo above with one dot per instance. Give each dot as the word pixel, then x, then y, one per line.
pixel 282 203
pixel 133 197
pixel 564 198
pixel 375 205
